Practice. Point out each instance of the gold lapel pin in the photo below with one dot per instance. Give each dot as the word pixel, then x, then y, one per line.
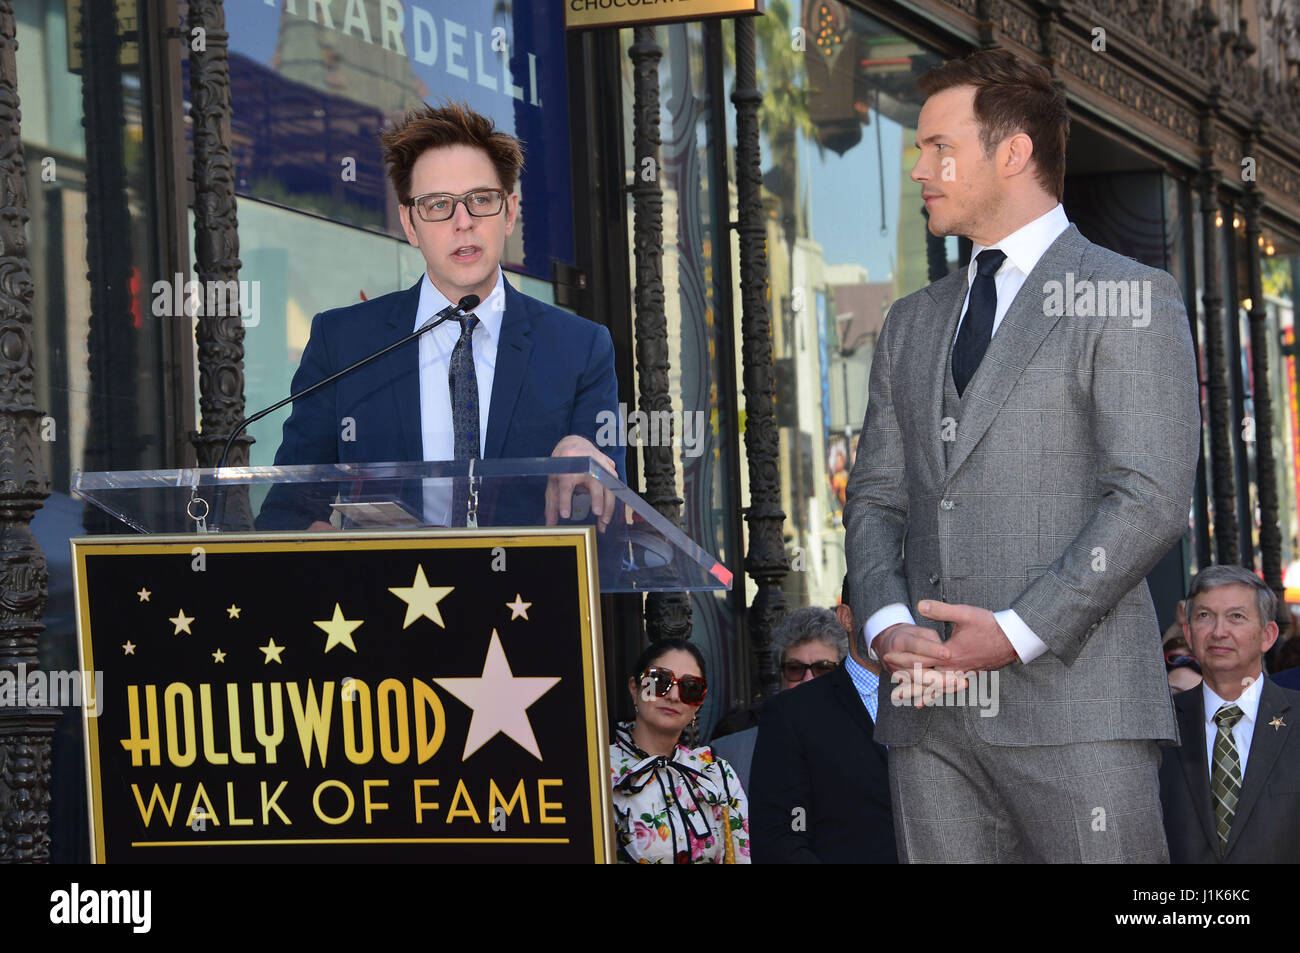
pixel 1277 723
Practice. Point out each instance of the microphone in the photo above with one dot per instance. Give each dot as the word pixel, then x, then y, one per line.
pixel 464 305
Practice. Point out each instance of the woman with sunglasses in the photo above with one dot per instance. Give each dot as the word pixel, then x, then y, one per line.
pixel 673 803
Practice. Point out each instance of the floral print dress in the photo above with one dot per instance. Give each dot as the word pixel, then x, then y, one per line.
pixel 671 810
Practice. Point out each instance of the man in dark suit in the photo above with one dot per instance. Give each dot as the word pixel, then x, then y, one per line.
pixel 820 785
pixel 518 378
pixel 1231 793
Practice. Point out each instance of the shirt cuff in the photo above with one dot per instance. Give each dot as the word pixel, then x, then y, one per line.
pixel 883 618
pixel 1027 645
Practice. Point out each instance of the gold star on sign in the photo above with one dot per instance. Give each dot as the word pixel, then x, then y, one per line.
pixel 500 702
pixel 1277 723
pixel 128 647
pixel 233 611
pixel 421 599
pixel 218 656
pixel 519 608
pixel 339 630
pixel 182 623
pixel 143 594
pixel 272 652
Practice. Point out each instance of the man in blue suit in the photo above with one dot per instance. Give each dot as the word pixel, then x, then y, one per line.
pixel 519 379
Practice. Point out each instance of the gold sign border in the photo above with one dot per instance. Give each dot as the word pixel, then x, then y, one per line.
pixel 700 10
pixel 582 539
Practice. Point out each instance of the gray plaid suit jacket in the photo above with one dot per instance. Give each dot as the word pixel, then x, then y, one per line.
pixel 1070 475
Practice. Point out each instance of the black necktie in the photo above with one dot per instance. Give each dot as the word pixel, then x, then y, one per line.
pixel 462 382
pixel 977 324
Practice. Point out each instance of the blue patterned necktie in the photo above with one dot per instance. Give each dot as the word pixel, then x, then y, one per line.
pixel 462 382
pixel 977 326
pixel 463 385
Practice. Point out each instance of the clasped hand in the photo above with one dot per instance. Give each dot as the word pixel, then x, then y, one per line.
pixel 922 667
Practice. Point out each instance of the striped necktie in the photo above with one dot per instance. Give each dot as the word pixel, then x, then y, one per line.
pixel 1225 777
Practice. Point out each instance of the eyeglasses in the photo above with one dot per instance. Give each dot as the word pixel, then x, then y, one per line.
pixel 440 206
pixel 690 688
pixel 794 671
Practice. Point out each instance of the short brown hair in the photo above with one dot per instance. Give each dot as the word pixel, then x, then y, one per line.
pixel 451 124
pixel 1012 96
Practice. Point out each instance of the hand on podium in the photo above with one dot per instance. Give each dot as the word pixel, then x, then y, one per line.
pixel 560 489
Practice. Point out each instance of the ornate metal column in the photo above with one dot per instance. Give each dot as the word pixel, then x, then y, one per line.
pixel 766 559
pixel 1270 534
pixel 216 252
pixel 112 342
pixel 667 614
pixel 1222 477
pixel 25 732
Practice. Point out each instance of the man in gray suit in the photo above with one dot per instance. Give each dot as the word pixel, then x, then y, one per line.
pixel 1028 455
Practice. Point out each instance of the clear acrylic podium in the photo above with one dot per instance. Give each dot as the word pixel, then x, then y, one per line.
pixel 639 551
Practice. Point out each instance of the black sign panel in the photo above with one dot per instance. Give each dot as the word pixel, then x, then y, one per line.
pixel 428 697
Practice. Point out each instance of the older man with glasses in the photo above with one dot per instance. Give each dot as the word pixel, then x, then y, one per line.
pixel 809 642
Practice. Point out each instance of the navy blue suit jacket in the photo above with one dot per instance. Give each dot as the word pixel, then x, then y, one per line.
pixel 554 375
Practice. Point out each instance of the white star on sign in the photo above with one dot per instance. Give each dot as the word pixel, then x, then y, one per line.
pixel 499 700
pixel 421 599
pixel 182 623
pixel 519 608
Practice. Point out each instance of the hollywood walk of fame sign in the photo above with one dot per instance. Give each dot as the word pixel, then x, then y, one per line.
pixel 430 696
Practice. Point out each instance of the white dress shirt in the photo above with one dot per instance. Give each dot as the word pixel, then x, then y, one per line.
pixel 1023 248
pixel 1243 731
pixel 436 429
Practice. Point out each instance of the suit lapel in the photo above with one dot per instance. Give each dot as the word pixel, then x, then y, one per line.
pixel 513 352
pixel 1018 338
pixel 406 378
pixel 847 695
pixel 1265 745
pixel 947 300
pixel 1196 769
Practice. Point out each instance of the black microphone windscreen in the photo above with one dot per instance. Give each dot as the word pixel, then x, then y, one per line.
pixel 467 303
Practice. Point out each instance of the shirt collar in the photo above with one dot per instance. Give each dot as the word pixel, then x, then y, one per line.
pixel 1027 244
pixel 490 313
pixel 1248 702
pixel 858 672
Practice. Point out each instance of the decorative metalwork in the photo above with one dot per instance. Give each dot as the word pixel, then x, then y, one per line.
pixel 766 560
pixel 220 337
pixel 1223 479
pixel 1270 535
pixel 25 732
pixel 668 614
pixel 112 342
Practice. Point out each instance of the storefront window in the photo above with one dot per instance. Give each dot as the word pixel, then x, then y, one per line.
pixel 312 84
pixel 847 237
pixel 1281 278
